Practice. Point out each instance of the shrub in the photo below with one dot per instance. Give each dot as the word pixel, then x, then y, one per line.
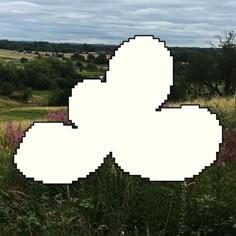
pixel 24 60
pixel 7 88
pixel 59 97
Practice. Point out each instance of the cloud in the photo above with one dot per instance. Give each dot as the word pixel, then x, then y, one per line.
pixel 120 116
pixel 112 22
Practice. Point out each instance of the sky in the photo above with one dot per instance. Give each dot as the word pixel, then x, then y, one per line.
pixel 178 22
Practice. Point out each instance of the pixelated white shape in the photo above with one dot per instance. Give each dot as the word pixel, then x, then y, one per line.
pixel 138 80
pixel 173 145
pixel 52 153
pixel 119 116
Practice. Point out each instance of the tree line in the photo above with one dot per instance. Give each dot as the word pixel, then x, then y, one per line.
pixel 197 73
pixel 54 47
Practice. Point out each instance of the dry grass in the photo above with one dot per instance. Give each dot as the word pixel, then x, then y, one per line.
pixel 68 55
pixel 224 107
pixel 6 54
pixel 23 124
pixel 9 102
pixel 226 104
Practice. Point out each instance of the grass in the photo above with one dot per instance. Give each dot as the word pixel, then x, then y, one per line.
pixel 7 103
pixel 28 113
pixel 35 114
pixel 110 202
pixel 11 55
pixel 41 94
pixel 18 111
pixel 90 74
pixel 224 107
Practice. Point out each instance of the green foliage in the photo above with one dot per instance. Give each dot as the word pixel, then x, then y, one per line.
pixel 203 71
pixel 79 64
pixel 24 60
pixel 77 56
pixel 24 114
pixel 27 94
pixel 110 202
pixel 227 62
pixel 101 59
pixel 59 97
pixel 90 58
pixel 6 88
pixel 181 87
pixel 53 47
pixel 91 67
pixel 41 74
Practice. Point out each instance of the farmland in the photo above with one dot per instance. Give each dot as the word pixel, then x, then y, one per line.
pixel 13 55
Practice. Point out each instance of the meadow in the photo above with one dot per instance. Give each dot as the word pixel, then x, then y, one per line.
pixel 109 201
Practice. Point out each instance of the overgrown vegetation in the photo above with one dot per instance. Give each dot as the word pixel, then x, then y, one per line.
pixel 109 201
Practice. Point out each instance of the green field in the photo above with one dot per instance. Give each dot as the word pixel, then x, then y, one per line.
pixel 91 74
pixel 37 110
pixel 28 113
pixel 41 94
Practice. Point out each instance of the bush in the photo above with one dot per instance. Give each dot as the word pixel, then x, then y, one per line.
pixel 26 94
pixel 90 58
pixel 77 56
pixel 6 88
pixel 101 59
pixel 91 67
pixel 59 97
pixel 24 60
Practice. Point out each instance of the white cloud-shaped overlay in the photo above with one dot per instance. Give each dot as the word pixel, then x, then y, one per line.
pixel 120 116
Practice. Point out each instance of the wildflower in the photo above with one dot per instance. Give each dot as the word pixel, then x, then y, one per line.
pixel 51 116
pixel 9 135
pixel 60 116
pixel 56 116
pixel 18 137
pixel 10 127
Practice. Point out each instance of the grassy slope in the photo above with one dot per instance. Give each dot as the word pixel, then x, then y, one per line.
pixel 27 113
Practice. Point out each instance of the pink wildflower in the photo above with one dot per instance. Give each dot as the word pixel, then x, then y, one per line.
pixel 18 137
pixel 56 116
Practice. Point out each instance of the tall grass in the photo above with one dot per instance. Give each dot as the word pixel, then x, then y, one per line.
pixel 224 107
pixel 110 202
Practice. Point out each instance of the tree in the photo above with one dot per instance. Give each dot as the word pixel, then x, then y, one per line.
pixel 101 59
pixel 24 60
pixel 91 67
pixel 59 97
pixel 77 57
pixel 182 86
pixel 27 94
pixel 79 64
pixel 90 58
pixel 6 88
pixel 203 70
pixel 227 61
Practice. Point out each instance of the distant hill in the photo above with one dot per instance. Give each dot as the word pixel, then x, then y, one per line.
pixel 181 54
pixel 54 47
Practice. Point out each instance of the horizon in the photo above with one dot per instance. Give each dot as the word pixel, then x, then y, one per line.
pixel 103 44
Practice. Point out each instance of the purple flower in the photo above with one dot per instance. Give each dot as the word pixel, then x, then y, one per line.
pixel 19 137
pixel 51 116
pixel 10 127
pixel 56 116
